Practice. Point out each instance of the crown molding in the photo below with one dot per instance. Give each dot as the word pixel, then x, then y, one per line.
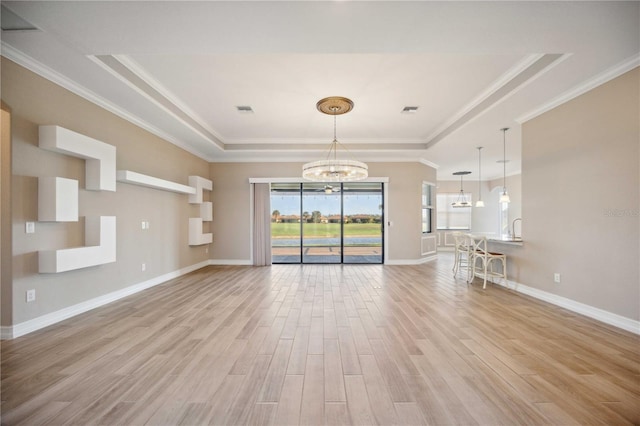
pixel 599 79
pixel 524 72
pixel 55 77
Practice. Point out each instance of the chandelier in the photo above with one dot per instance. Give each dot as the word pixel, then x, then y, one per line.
pixel 332 169
pixel 462 199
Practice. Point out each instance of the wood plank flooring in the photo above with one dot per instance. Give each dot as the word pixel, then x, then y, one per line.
pixel 323 344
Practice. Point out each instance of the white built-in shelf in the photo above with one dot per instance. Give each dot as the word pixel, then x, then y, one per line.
pixel 206 211
pixel 200 184
pixel 196 236
pixel 100 164
pixel 57 199
pixel 100 248
pixel 134 178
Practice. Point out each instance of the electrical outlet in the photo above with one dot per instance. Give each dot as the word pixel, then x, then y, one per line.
pixel 556 277
pixel 144 225
pixel 31 295
pixel 144 267
pixel 30 227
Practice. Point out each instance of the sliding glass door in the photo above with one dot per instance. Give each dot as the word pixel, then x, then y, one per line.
pixel 327 223
pixel 362 231
pixel 322 226
pixel 286 227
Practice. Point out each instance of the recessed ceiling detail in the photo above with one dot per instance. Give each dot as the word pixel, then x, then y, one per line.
pixel 184 82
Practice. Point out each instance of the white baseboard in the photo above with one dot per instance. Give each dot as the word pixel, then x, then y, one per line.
pixel 394 262
pixel 606 317
pixel 17 330
pixel 242 262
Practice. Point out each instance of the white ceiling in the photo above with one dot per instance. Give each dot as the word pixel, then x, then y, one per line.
pixel 179 69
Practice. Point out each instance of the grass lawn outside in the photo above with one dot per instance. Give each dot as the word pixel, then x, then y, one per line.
pixel 325 230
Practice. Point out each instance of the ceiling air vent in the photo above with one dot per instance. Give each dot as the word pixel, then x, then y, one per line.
pixel 409 110
pixel 244 109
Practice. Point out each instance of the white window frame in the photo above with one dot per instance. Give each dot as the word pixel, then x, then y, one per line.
pixel 448 217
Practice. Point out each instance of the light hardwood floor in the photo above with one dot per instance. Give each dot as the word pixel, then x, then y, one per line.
pixel 323 344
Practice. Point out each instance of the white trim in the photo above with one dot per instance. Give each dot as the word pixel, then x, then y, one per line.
pixel 149 96
pixel 429 163
pixel 426 237
pixel 604 77
pixel 44 71
pixel 301 180
pixel 305 158
pixel 139 71
pixel 606 317
pixel 46 320
pixel 395 262
pixel 234 262
pixel 497 85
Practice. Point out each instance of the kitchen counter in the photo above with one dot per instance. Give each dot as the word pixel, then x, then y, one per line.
pixel 509 241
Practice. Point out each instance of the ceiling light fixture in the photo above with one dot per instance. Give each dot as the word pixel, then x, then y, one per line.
pixel 462 199
pixel 504 197
pixel 332 169
pixel 479 203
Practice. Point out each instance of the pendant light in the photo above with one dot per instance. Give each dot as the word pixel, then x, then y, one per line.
pixel 462 199
pixel 479 203
pixel 504 197
pixel 333 169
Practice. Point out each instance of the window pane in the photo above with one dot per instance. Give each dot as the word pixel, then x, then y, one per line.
pixel 450 217
pixel 285 223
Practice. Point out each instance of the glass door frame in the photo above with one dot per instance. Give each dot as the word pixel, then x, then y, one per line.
pixel 383 224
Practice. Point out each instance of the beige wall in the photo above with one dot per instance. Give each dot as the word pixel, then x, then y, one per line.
pixel 580 179
pixel 6 307
pixel 164 247
pixel 231 205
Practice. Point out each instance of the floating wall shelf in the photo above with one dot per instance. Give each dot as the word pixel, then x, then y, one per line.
pixel 100 240
pixel 200 184
pixel 196 237
pixel 134 178
pixel 57 199
pixel 206 211
pixel 100 164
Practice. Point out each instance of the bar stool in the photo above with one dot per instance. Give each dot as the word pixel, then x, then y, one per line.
pixel 464 247
pixel 486 257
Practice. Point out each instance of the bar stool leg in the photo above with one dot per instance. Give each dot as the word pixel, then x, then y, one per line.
pixel 486 262
pixel 504 271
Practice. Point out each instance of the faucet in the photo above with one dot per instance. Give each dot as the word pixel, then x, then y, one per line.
pixel 513 228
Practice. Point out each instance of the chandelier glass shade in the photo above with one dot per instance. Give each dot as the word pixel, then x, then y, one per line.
pixel 332 169
pixel 462 199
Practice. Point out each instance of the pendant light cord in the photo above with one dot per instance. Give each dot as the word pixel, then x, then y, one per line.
pixel 335 138
pixel 479 173
pixel 504 159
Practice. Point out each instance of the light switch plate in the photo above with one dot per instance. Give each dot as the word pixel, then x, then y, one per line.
pixel 30 227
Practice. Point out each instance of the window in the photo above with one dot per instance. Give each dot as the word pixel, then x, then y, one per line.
pixel 427 207
pixel 450 217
